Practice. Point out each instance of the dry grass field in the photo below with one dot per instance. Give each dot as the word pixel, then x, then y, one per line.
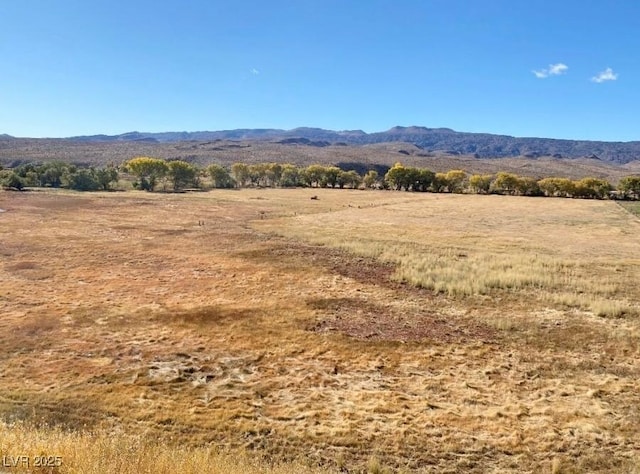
pixel 364 331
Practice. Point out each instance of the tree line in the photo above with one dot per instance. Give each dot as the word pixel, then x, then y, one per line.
pixel 58 174
pixel 150 174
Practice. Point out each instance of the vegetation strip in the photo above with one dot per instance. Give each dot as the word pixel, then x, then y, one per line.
pixel 178 175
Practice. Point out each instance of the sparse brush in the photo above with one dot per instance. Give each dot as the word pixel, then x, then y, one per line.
pixel 611 308
pixel 556 466
pixel 502 324
pixel 568 299
pixel 374 466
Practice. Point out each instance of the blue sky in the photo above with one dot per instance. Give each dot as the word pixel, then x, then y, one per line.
pixel 562 69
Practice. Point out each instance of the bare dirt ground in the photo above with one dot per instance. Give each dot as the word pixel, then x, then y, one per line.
pixel 120 312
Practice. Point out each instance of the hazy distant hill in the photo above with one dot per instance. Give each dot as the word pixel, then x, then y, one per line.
pixel 311 134
pixel 305 145
pixel 482 145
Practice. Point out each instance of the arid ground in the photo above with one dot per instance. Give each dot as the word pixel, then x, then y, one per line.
pixel 359 331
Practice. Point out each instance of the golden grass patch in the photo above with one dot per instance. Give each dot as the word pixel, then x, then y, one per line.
pixel 474 245
pixel 361 330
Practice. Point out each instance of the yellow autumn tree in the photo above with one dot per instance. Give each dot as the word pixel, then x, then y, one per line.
pixel 148 171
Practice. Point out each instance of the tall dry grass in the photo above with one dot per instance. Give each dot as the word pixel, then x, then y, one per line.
pixel 104 453
pixel 573 253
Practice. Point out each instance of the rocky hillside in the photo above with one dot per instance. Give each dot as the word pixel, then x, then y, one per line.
pixel 426 141
pixel 481 145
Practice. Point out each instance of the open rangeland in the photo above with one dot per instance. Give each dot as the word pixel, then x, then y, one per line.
pixel 360 331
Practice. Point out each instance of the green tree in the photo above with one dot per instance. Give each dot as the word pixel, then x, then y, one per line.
pixel 350 179
pixel 331 176
pixel 400 177
pixel 290 176
pixel 480 183
pixel 106 176
pixel 314 175
pixel 629 186
pixel 11 180
pixel 241 173
pixel 51 173
pixel 148 170
pixel 30 173
pixel 528 187
pixel 371 179
pixel 220 176
pixel 259 174
pixel 395 176
pixel 82 180
pixel 422 179
pixel 274 174
pixel 182 174
pixel 440 183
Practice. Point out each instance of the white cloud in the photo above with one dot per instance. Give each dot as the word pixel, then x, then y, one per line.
pixel 557 69
pixel 606 75
pixel 553 70
pixel 254 71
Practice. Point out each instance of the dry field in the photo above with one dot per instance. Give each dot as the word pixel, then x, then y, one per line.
pixel 362 331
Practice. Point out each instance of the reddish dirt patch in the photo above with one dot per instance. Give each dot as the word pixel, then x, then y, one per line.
pixel 361 319
pixel 300 255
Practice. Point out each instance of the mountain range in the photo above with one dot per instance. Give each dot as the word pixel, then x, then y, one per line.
pixel 480 145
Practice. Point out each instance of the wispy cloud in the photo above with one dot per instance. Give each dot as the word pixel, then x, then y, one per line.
pixel 254 71
pixel 606 75
pixel 557 69
pixel 552 70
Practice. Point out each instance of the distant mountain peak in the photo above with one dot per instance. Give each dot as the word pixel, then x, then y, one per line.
pixel 410 129
pixel 416 130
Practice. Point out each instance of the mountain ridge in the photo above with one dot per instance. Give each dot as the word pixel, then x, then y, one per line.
pixel 479 145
